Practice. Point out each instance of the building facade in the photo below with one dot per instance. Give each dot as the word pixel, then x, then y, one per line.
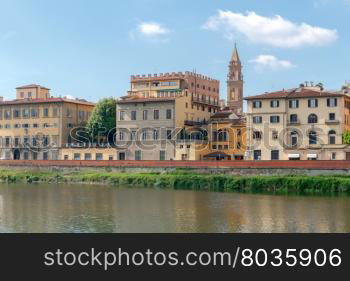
pixel 35 125
pixel 157 108
pixel 305 123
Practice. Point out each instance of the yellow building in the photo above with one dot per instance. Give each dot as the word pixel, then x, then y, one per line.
pixel 36 125
pixel 222 138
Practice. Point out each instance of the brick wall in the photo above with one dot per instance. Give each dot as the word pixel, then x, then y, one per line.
pixel 317 165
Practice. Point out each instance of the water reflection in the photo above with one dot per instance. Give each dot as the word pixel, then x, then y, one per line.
pixel 77 208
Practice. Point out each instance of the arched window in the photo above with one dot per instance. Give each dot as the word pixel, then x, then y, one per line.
pixel 312 119
pixel 312 137
pixel 332 137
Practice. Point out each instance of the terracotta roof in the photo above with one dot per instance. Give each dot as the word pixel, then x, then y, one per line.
pixel 295 93
pixel 48 100
pixel 30 86
pixel 145 100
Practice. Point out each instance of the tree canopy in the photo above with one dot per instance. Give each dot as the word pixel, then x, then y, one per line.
pixel 102 121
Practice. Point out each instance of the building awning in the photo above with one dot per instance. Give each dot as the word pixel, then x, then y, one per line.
pixel 294 155
pixel 312 156
pixel 217 155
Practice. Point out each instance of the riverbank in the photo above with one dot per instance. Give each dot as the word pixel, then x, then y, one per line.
pixel 186 180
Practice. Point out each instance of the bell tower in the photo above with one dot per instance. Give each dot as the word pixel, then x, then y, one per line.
pixel 235 83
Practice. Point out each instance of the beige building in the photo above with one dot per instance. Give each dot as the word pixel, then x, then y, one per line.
pixel 157 108
pixel 81 153
pixel 36 125
pixel 305 123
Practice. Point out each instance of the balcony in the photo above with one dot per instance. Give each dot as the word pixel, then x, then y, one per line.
pixel 294 122
pixel 332 122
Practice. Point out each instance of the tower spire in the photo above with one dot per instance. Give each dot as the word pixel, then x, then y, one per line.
pixel 235 55
pixel 235 83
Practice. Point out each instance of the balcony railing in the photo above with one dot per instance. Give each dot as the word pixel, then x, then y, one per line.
pixel 294 122
pixel 332 122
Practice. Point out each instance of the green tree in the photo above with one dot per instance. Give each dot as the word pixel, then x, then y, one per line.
pixel 346 137
pixel 102 121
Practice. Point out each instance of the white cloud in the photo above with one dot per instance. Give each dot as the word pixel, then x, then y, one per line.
pixel 274 31
pixel 151 29
pixel 271 62
pixel 151 32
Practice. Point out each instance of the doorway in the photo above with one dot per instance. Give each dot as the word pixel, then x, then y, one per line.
pixel 16 154
pixel 122 156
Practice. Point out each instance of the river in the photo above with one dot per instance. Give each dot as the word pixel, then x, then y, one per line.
pixel 51 208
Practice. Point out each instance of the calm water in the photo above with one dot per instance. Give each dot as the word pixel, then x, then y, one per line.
pixel 85 208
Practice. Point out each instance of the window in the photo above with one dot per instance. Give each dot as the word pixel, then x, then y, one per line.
pixel 257 119
pixel 46 140
pixel 99 156
pixel 35 125
pixel 26 155
pixel 133 115
pixel 29 94
pixel 7 141
pixel 334 156
pixel 312 137
pixel 294 138
pixel 239 132
pixel 257 154
pixel 275 103
pixel 25 113
pixel 274 119
pixel 145 115
pixel 275 155
pixel 35 156
pixel 144 134
pixel 55 112
pixel 65 157
pixel 121 136
pixel 156 114
pixel 293 118
pixel 168 114
pixel 332 137
pixel 16 141
pixel 257 104
pixel 332 102
pixel 138 155
pixel 122 115
pixel 312 119
pixel 294 104
pixel 168 134
pixel 76 156
pixel 162 155
pixel 16 113
pixel 312 103
pixel 155 135
pixel 274 135
pixel 257 135
pixel 332 116
pixel 239 145
pixel 225 147
pixel 34 141
pixel 34 113
pixel 110 158
pixel 46 112
pixel 132 135
pixel 46 155
pixel 7 114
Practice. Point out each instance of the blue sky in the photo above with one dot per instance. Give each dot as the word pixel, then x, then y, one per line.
pixel 88 49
